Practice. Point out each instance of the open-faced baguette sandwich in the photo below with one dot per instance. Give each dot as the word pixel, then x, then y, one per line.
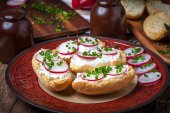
pixel 89 60
pixel 104 80
pixel 85 43
pixel 52 71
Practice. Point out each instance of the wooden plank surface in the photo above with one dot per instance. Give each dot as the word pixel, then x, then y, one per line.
pixel 9 103
pixel 136 27
pixel 75 25
pixel 7 99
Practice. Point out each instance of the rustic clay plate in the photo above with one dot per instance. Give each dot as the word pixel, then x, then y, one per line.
pixel 22 80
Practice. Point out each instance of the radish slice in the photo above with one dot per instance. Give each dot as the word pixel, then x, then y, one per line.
pixel 109 52
pixel 14 3
pixel 62 68
pixel 40 58
pixel 114 73
pixel 19 0
pixel 91 77
pixel 86 57
pixel 150 78
pixel 88 41
pixel 68 48
pixel 132 52
pixel 144 58
pixel 144 69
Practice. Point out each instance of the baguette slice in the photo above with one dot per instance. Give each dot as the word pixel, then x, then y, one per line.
pixel 154 25
pixel 53 84
pixel 134 8
pixel 156 5
pixel 78 65
pixel 105 85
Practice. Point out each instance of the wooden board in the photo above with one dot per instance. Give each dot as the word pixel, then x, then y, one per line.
pixel 136 27
pixel 76 25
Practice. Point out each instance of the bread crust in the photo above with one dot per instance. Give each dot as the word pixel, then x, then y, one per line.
pixel 52 84
pixel 78 69
pixel 153 6
pixel 131 7
pixel 104 86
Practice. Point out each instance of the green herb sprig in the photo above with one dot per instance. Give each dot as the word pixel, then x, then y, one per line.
pixel 136 50
pixel 119 68
pixel 137 58
pixel 40 20
pixel 60 63
pixel 107 48
pixel 99 55
pixel 146 75
pixel 48 57
pixel 101 70
pixel 88 40
pixel 146 65
pixel 43 7
pixel 167 51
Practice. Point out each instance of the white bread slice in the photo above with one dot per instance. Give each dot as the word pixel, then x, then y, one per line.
pixel 156 5
pixel 154 25
pixel 134 8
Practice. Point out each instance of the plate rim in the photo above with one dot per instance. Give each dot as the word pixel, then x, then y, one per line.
pixel 10 86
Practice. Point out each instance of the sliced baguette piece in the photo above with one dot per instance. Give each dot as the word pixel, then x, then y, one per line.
pixel 54 84
pixel 154 25
pixel 79 65
pixel 153 6
pixel 105 85
pixel 134 8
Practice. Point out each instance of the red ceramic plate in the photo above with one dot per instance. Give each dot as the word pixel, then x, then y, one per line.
pixel 22 80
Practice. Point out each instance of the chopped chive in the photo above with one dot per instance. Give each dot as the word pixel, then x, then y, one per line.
pixel 146 75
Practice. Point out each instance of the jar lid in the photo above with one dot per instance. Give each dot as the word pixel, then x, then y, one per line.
pixel 108 2
pixel 13 14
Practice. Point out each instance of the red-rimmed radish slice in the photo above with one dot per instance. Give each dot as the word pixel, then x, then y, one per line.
pixel 114 73
pixel 91 77
pixel 14 3
pixel 111 52
pixel 86 57
pixel 69 53
pixel 68 48
pixel 40 58
pixel 144 69
pixel 130 52
pixel 149 78
pixel 140 62
pixel 88 41
pixel 58 68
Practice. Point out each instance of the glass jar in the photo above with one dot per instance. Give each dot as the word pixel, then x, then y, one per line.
pixel 108 19
pixel 15 33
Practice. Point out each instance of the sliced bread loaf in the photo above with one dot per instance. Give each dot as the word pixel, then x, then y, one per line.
pixel 134 8
pixel 156 5
pixel 154 25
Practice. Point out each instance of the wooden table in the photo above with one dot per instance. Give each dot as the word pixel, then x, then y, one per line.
pixel 9 103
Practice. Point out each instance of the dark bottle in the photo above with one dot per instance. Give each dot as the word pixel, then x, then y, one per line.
pixel 15 33
pixel 108 19
pixel 166 1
